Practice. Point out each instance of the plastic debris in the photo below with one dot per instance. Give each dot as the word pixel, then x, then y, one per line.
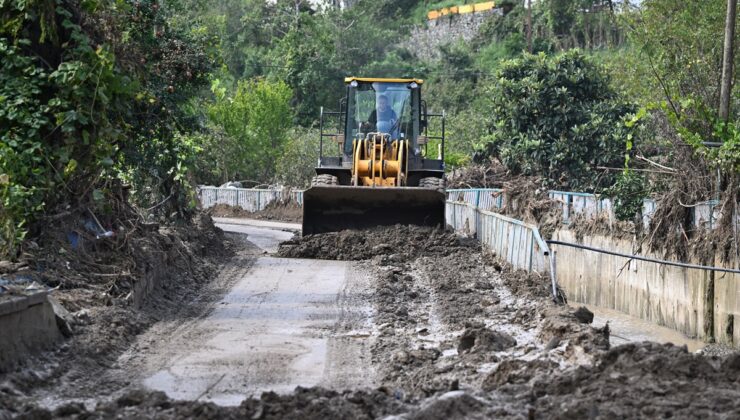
pixel 106 234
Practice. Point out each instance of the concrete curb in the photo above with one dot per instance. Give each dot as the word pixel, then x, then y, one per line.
pixel 27 325
pixel 19 303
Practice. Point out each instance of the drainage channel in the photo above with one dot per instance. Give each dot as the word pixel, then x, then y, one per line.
pixel 624 329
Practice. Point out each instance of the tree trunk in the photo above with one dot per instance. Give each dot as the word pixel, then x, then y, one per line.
pixel 529 26
pixel 726 90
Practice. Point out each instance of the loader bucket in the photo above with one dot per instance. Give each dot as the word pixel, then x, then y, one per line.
pixel 335 208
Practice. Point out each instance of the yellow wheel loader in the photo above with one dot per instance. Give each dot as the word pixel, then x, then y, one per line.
pixel 380 173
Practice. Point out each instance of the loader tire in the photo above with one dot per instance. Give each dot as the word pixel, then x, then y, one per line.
pixel 433 184
pixel 324 180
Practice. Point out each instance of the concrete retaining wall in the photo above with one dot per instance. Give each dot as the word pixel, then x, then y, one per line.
pixel 27 325
pixel 727 308
pixel 157 267
pixel 699 303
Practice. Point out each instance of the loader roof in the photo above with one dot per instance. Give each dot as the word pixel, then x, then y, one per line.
pixel 377 79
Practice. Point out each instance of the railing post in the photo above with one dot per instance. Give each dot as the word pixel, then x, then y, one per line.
pixel 553 274
pixel 531 249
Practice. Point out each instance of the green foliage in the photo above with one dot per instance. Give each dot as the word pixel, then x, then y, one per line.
pixel 90 94
pixel 465 130
pixel 728 155
pixel 254 122
pixel 679 79
pixel 581 23
pixel 628 193
pixel 558 118
pixel 725 157
pixel 51 118
pixel 295 165
pixel 23 117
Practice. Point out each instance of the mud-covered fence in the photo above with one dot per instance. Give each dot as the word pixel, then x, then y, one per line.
pixel 482 198
pixel 297 196
pixel 704 214
pixel 246 198
pixel 514 241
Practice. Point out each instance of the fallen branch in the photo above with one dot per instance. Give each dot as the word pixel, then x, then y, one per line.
pixel 643 158
pixel 606 168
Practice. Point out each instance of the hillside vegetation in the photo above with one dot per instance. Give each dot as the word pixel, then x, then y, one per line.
pixel 109 102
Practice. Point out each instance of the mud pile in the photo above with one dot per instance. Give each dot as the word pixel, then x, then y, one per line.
pixel 96 285
pixel 304 403
pixel 645 380
pixel 449 322
pixel 285 211
pixel 394 243
pixel 489 175
pixel 225 210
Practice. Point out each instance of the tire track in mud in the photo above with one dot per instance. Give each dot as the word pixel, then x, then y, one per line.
pixel 280 323
pixel 454 336
pixel 463 326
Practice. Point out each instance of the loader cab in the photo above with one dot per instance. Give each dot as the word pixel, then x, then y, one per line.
pixel 385 107
pixel 393 107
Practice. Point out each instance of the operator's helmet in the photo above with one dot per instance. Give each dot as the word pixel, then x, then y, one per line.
pixel 384 126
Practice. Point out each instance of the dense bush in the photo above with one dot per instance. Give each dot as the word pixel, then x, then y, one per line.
pixel 254 121
pixel 295 165
pixel 90 96
pixel 557 117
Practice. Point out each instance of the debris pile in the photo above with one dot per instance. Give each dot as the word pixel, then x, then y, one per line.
pixel 394 243
pixel 285 211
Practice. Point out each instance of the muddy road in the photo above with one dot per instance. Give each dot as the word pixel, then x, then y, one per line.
pixel 403 321
pixel 285 323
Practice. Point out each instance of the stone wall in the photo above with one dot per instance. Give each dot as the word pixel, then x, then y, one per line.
pixel 426 40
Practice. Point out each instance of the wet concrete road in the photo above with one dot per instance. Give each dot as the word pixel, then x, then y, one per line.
pixel 265 234
pixel 284 323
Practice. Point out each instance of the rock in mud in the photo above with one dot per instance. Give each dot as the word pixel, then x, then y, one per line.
pixel 452 405
pixel 561 323
pixel 517 371
pixel 583 315
pixel 484 340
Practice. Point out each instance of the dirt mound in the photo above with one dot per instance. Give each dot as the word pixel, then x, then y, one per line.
pixel 520 282
pixel 225 210
pixel 304 403
pixel 286 211
pixel 490 175
pixel 445 319
pixel 647 380
pixel 484 339
pixel 394 243
pixel 114 288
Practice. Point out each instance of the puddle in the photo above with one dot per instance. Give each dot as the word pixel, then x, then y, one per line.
pixel 625 329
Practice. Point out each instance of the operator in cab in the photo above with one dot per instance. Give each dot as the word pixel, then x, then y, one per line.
pixel 383 118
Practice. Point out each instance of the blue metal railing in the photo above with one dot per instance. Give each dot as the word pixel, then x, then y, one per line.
pixel 246 198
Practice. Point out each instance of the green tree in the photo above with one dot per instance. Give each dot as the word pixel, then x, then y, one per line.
pixel 296 164
pixel 255 119
pixel 558 118
pixel 91 95
pixel 681 77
